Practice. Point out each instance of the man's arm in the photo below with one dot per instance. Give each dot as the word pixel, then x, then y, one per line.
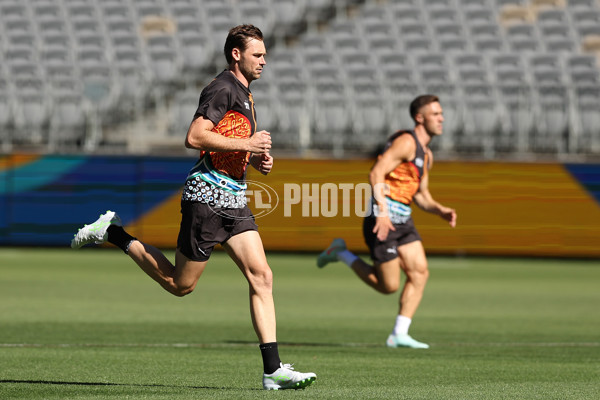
pixel 201 137
pixel 426 202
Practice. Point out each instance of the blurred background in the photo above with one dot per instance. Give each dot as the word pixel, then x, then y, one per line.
pixel 96 98
pixel 517 78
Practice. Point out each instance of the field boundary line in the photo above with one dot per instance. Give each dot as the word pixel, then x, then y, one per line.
pixel 247 344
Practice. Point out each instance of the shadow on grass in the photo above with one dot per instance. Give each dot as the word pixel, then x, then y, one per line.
pixel 153 385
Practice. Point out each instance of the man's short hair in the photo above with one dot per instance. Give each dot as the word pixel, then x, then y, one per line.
pixel 238 37
pixel 420 102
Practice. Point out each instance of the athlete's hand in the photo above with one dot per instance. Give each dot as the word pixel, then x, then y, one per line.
pixel 382 228
pixel 263 163
pixel 260 142
pixel 449 214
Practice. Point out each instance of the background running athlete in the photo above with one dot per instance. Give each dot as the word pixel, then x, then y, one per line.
pixel 399 177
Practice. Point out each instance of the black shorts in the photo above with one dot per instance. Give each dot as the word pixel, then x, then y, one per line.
pixel 382 251
pixel 203 227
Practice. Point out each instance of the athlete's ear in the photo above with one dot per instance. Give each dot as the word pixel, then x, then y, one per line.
pixel 419 118
pixel 236 54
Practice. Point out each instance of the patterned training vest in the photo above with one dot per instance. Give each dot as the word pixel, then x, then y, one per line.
pixel 219 178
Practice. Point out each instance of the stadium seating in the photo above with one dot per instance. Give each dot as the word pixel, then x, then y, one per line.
pixel 67 125
pixel 183 107
pixel 514 76
pixel 508 87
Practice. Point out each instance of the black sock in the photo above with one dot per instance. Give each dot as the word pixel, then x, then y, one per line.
pixel 270 356
pixel 118 237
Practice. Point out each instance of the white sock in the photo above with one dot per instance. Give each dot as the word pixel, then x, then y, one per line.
pixel 347 257
pixel 402 325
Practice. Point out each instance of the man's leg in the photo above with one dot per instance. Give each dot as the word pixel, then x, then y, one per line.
pixel 414 264
pixel 384 277
pixel 179 280
pixel 246 249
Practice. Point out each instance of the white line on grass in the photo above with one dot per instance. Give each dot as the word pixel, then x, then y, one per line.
pixel 528 344
pixel 244 344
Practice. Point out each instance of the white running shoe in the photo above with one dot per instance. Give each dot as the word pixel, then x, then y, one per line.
pixel 404 340
pixel 286 378
pixel 330 254
pixel 95 232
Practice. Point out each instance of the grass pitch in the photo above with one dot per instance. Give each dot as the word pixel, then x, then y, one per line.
pixel 89 324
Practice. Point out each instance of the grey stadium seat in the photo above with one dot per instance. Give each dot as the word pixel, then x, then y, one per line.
pixel 587 98
pixel 31 115
pixel 518 119
pixel 182 111
pixel 68 121
pixel 552 118
pixel 295 99
pixel 481 121
pixel 332 115
pixel 369 120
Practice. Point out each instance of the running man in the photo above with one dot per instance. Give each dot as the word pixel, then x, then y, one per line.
pixel 213 204
pixel 399 177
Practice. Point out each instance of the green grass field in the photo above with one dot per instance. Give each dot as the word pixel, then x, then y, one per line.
pixel 89 324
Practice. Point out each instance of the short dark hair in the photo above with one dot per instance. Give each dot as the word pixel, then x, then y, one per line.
pixel 238 37
pixel 420 102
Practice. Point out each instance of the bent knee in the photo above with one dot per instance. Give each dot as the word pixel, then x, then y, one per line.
pixel 181 290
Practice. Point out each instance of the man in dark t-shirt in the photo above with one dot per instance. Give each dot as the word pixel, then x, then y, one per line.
pixel 213 202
